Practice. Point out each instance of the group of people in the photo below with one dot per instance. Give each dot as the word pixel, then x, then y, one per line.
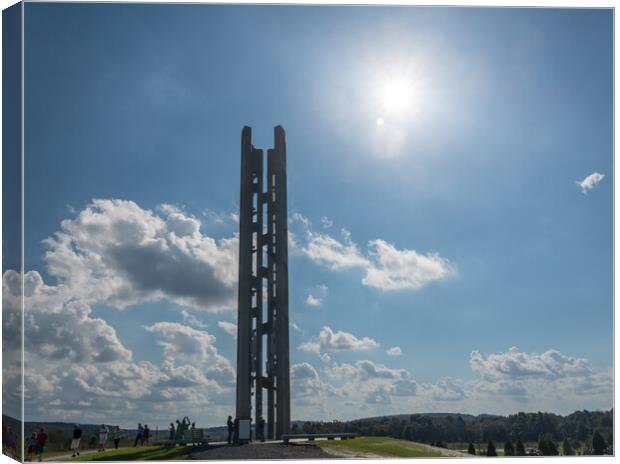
pixel 104 435
pixel 36 445
pixel 180 431
pixel 143 436
pixel 233 430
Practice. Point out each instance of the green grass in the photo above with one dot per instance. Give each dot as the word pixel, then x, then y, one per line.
pixel 382 446
pixel 144 453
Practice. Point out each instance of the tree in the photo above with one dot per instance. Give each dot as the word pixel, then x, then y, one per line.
pixel 509 450
pixel 552 448
pixel 491 449
pixel 520 451
pixel 471 449
pixel 546 445
pixel 567 448
pixel 598 444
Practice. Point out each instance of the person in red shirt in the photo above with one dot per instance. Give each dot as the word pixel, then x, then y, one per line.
pixel 41 439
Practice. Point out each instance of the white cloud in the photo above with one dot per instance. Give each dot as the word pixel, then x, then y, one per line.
pixel 516 364
pixel 445 389
pixel 372 382
pixel 326 222
pixel 313 301
pixel 590 182
pixel 507 382
pixel 394 351
pixel 386 267
pixel 57 326
pixel 181 342
pixel 533 378
pixel 308 391
pixel 328 340
pixel 394 269
pixel 192 320
pixel 229 327
pixel 298 217
pixel 78 369
pixel 120 254
pixel 324 249
pixel 184 343
pixel 294 326
pixel 378 395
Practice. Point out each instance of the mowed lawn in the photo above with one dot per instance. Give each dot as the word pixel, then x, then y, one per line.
pixel 382 446
pixel 143 453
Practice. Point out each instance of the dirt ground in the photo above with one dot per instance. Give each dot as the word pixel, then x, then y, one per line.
pixel 262 451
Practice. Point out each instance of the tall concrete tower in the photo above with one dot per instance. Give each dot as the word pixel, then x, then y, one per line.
pixel 263 327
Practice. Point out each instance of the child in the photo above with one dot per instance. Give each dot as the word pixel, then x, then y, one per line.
pixel 31 446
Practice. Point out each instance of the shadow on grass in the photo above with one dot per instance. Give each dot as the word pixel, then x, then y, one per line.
pixel 158 453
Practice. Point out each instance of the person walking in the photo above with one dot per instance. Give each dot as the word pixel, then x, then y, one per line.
pixel 116 436
pixel 103 437
pixel 75 442
pixel 231 429
pixel 31 446
pixel 41 440
pixel 139 436
pixel 146 435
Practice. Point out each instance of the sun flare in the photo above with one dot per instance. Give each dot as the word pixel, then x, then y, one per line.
pixel 396 96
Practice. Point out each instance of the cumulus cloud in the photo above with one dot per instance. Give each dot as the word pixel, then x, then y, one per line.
pixel 313 301
pixel 71 355
pixel 590 182
pixel 308 390
pixel 57 326
pixel 445 389
pixel 506 382
pixel 386 267
pixel 524 376
pixel 328 340
pixel 378 395
pixel 516 364
pixel 184 342
pixel 372 382
pixel 229 327
pixel 394 351
pixel 394 269
pixel 334 254
pixel 116 252
pixel 326 222
pixel 192 320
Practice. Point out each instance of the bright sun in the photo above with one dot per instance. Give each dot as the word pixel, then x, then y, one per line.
pixel 396 96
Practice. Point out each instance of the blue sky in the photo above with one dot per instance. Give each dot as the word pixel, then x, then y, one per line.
pixel 473 166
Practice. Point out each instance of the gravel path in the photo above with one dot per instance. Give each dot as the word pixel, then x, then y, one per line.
pixel 262 451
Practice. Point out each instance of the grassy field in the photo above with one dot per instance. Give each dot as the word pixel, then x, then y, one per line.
pixel 144 453
pixel 382 446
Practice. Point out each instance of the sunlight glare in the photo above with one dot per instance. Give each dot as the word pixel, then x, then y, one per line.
pixel 396 96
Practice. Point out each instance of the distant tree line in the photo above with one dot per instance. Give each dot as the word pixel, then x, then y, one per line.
pixel 584 429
